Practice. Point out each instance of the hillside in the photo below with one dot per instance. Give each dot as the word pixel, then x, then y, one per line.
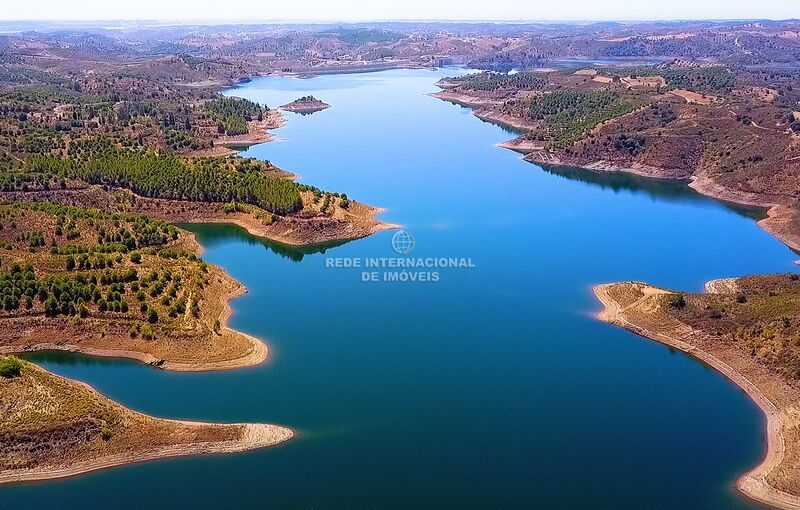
pixel 51 427
pixel 746 328
pixel 722 129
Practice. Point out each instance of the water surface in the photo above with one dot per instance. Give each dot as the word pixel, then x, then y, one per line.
pixel 491 388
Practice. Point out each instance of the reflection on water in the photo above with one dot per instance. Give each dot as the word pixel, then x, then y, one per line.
pixel 664 189
pixel 73 359
pixel 213 236
pixel 491 388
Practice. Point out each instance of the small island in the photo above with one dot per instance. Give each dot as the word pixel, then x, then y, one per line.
pixel 305 105
pixel 91 260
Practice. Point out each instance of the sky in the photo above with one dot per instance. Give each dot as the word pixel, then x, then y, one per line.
pixel 366 10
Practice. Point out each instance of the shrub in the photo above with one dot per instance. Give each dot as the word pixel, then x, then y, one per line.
pixel 632 144
pixel 10 367
pixel 677 300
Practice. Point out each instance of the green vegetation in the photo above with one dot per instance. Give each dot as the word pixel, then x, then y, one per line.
pixel 233 114
pixel 10 366
pixel 115 232
pixel 496 81
pixel 567 115
pixel 762 317
pixel 704 80
pixel 631 144
pixel 677 300
pixel 25 99
pixel 63 295
pixel 363 35
pixel 663 112
pixel 155 175
pixel 102 292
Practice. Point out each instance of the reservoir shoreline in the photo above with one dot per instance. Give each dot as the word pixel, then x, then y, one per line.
pixel 459 357
pixel 249 436
pixel 753 484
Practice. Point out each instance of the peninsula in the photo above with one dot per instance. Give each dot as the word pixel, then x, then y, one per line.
pixel 732 131
pixel 747 329
pixel 53 428
pixel 96 168
pixel 109 137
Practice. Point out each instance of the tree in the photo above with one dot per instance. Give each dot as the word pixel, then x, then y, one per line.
pixel 677 300
pixel 10 367
pixel 51 307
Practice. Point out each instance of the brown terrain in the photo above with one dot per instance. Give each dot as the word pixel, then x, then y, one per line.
pixel 721 108
pixel 739 146
pixel 747 329
pixel 257 132
pixel 309 226
pixel 51 427
pixel 189 297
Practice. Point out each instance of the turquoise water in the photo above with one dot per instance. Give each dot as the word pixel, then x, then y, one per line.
pixel 490 388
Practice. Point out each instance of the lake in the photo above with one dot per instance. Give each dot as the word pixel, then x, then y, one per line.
pixel 492 387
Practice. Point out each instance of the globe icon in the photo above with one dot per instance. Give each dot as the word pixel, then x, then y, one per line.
pixel 403 242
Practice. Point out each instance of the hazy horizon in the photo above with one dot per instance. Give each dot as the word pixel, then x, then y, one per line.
pixel 317 11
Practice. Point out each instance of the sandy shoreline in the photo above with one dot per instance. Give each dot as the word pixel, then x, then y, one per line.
pixel 258 133
pixel 255 356
pixel 289 238
pixel 753 484
pixel 480 108
pixel 256 353
pixel 252 436
pixel 779 215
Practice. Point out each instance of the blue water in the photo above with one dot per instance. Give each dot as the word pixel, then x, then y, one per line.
pixel 490 388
